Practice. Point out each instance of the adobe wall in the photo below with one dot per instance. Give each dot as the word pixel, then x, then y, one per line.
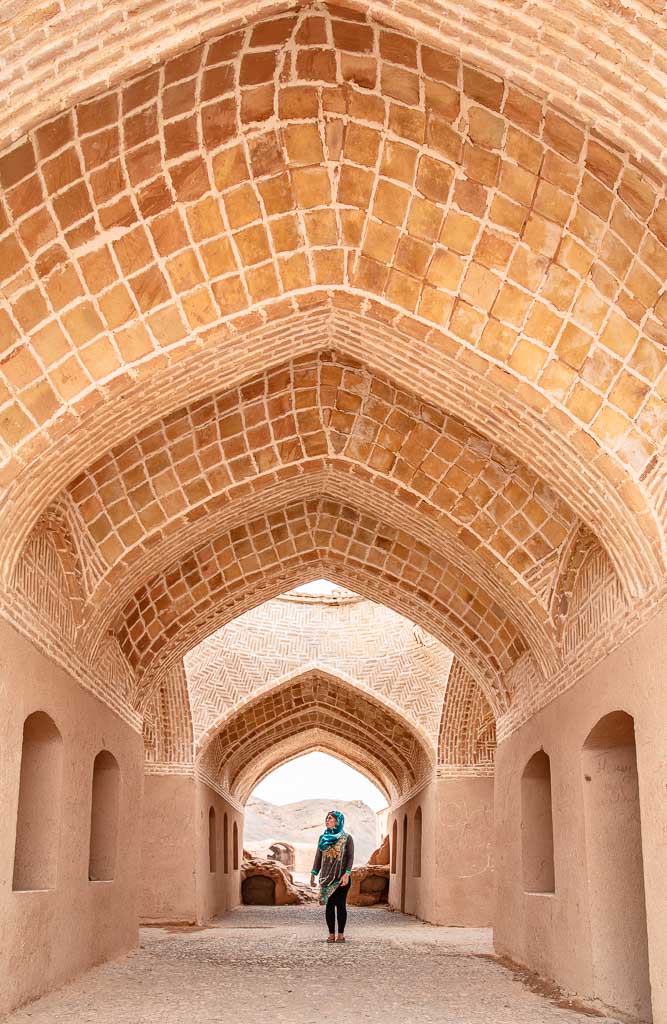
pixel 66 919
pixel 419 892
pixel 552 934
pixel 217 891
pixel 465 891
pixel 168 852
pixel 177 883
pixel 456 886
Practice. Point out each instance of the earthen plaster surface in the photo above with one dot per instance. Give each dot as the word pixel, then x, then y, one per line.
pixel 557 934
pixel 42 920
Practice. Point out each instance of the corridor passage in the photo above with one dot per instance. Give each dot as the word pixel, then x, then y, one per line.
pixel 272 963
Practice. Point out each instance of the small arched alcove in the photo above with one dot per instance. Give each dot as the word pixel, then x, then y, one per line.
pixel 394 844
pixel 236 846
pixel 39 806
pixel 212 842
pixel 417 844
pixel 404 863
pixel 615 867
pixel 225 844
pixel 104 818
pixel 537 833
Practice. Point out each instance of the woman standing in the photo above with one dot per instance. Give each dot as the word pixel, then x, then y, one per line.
pixel 333 863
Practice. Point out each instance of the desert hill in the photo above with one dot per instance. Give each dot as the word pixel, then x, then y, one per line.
pixel 304 821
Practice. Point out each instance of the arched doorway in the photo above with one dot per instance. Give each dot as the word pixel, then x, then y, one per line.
pixel 615 866
pixel 259 891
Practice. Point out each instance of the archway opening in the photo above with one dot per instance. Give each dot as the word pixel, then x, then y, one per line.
pixel 286 810
pixel 615 866
pixel 354 731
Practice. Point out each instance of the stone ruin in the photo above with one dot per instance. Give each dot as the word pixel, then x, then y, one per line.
pixel 268 882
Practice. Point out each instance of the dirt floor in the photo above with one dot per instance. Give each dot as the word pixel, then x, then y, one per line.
pixel 273 964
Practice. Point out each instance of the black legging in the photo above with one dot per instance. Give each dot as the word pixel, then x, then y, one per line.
pixel 337 903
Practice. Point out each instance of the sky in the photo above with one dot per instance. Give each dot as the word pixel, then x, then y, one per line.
pixel 317 588
pixel 318 776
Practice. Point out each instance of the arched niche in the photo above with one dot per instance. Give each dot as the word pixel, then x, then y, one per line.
pixel 537 833
pixel 404 863
pixel 104 818
pixel 394 844
pixel 212 842
pixel 38 819
pixel 417 844
pixel 614 866
pixel 236 846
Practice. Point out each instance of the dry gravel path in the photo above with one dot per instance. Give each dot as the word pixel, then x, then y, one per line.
pixel 272 964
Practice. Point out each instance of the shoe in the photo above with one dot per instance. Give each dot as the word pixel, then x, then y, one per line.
pixel 341 938
pixel 331 938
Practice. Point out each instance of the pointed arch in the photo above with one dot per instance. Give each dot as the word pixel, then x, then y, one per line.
pixel 315 708
pixel 272 554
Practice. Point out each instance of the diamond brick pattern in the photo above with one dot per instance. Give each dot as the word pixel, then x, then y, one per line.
pixel 185 604
pixel 278 164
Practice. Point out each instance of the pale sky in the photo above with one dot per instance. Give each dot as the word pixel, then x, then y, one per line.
pixel 317 588
pixel 318 776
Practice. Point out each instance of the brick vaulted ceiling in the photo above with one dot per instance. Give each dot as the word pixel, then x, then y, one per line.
pixel 332 291
pixel 316 710
pixel 322 425
pixel 364 643
pixel 300 673
pixel 602 63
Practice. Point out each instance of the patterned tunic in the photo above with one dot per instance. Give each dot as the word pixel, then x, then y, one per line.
pixel 332 864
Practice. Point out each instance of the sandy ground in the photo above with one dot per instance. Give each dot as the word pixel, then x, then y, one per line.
pixel 273 964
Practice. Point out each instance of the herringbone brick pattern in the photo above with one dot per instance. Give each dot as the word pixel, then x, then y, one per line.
pixel 362 642
pixel 317 702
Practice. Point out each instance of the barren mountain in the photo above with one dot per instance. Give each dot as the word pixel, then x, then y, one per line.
pixel 304 821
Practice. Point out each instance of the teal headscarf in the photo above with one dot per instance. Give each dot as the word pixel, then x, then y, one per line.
pixel 331 836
